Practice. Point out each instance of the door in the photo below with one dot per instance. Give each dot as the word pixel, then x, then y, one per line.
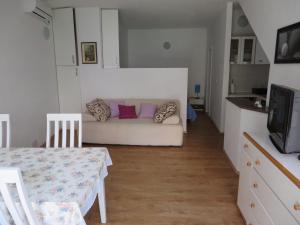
pixel 69 89
pixel 208 81
pixel 64 37
pixel 110 38
pixel 248 50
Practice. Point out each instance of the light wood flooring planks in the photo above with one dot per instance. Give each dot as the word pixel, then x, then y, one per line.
pixel 192 185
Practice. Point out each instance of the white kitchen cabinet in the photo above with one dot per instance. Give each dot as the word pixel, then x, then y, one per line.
pixel 64 37
pixel 242 50
pixel 248 50
pixel 260 55
pixel 235 50
pixel 69 89
pixel 237 121
pixel 110 38
pixel 243 199
pixel 232 131
pixel 269 183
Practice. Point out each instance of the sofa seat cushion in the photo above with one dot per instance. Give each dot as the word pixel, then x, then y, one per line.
pixel 133 132
pixel 174 119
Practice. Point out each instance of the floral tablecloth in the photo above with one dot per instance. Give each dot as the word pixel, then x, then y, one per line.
pixel 59 182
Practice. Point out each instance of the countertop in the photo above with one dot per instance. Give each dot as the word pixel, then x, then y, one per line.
pixel 246 103
pixel 287 163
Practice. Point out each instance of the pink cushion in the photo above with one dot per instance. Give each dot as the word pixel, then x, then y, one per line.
pixel 147 110
pixel 114 109
pixel 127 112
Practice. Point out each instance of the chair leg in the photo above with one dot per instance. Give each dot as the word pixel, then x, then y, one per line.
pixel 102 203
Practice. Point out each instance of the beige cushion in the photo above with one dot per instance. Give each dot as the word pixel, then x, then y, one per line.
pixel 99 109
pixel 133 132
pixel 174 119
pixel 87 117
pixel 164 111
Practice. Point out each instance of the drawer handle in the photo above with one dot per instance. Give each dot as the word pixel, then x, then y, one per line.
pixel 249 163
pixel 246 146
pixel 257 162
pixel 297 206
pixel 255 185
pixel 252 205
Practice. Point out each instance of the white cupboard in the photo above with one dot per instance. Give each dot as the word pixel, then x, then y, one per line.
pixel 243 51
pixel 248 50
pixel 69 89
pixel 269 183
pixel 238 121
pixel 64 37
pixel 110 38
pixel 260 55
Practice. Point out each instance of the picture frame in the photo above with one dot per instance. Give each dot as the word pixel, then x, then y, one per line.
pixel 288 44
pixel 89 52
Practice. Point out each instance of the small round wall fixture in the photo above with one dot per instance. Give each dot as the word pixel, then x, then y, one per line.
pixel 167 45
pixel 243 21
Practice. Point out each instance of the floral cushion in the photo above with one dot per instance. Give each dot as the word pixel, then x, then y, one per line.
pixel 164 111
pixel 99 109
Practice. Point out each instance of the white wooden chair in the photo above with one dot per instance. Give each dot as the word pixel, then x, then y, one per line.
pixel 12 176
pixel 4 133
pixel 66 121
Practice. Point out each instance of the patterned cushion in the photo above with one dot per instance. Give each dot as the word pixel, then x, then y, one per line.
pixel 165 111
pixel 99 109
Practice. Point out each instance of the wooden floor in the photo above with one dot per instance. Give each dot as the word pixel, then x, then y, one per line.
pixel 192 185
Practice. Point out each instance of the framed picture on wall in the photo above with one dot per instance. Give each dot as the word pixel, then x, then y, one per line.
pixel 288 44
pixel 89 52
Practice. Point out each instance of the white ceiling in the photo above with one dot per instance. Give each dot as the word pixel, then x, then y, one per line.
pixel 155 13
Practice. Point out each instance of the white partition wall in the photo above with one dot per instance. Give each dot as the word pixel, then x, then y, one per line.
pixel 164 83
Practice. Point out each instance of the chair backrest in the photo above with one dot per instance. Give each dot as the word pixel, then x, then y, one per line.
pixel 4 134
pixel 67 121
pixel 12 176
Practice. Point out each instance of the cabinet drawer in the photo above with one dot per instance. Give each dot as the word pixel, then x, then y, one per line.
pixel 249 148
pixel 252 220
pixel 273 206
pixel 244 184
pixel 258 211
pixel 287 192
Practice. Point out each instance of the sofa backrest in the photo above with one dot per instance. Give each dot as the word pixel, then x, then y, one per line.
pixel 138 102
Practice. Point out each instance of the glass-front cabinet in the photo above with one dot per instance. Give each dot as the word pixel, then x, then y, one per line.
pixel 242 50
pixel 248 50
pixel 235 50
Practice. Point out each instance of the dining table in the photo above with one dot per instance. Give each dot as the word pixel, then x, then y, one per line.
pixel 62 184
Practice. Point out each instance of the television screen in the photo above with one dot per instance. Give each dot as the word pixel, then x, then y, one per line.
pixel 279 110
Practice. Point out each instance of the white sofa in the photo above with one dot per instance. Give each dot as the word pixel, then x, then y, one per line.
pixel 133 131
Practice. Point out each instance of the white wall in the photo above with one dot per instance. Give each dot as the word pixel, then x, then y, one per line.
pixel 95 81
pixel 246 77
pixel 28 87
pixel 219 39
pixel 265 17
pixel 188 49
pixel 237 30
pixel 135 83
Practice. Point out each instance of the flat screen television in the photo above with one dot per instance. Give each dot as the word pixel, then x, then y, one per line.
pixel 284 118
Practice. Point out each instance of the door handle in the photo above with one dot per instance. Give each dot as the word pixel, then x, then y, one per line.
pixel 73 59
pixel 76 72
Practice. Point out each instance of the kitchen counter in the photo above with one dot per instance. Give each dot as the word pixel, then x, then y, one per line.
pixel 246 103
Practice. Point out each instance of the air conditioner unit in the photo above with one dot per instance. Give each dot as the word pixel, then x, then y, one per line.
pixel 39 9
